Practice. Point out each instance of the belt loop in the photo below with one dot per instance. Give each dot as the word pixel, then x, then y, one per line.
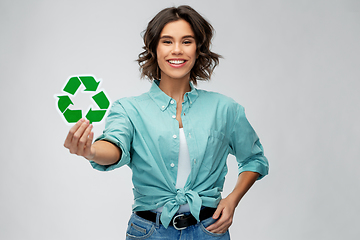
pixel 157 224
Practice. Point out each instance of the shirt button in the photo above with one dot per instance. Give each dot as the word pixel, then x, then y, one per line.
pixel 172 102
pixel 194 160
pixel 163 107
pixel 173 116
pixel 174 136
pixel 172 165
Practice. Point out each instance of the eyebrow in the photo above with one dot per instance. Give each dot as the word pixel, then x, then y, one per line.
pixel 186 36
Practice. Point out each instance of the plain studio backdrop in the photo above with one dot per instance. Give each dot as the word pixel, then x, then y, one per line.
pixel 293 65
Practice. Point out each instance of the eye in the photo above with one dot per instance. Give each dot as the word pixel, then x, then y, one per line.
pixel 166 41
pixel 187 42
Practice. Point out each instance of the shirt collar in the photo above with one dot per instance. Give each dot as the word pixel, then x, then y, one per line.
pixel 192 95
pixel 163 100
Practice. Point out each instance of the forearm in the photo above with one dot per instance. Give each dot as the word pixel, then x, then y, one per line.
pixel 225 210
pixel 244 182
pixel 105 153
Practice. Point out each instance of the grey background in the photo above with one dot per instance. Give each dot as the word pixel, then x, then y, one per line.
pixel 294 66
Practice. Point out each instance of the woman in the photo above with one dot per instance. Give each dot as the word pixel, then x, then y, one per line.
pixel 176 138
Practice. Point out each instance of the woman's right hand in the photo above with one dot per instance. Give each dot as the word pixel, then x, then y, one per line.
pixel 79 139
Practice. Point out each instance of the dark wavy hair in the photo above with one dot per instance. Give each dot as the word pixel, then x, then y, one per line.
pixel 206 61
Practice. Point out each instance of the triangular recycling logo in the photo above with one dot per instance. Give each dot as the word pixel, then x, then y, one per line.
pixel 71 87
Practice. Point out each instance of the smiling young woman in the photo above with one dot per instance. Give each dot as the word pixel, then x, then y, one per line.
pixel 176 138
pixel 176 51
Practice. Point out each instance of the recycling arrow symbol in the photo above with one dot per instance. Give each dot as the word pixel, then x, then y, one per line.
pixel 90 85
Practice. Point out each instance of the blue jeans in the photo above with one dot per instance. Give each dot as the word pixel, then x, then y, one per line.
pixel 139 228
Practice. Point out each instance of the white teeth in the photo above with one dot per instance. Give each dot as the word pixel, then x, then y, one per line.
pixel 176 61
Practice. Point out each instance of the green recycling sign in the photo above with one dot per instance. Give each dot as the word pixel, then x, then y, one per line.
pixel 91 85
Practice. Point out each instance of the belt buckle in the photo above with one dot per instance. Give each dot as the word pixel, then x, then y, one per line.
pixel 174 222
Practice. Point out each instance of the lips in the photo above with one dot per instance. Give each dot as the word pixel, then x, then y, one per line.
pixel 176 62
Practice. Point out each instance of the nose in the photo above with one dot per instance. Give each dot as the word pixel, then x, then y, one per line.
pixel 177 49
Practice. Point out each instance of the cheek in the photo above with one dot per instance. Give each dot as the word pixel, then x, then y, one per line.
pixel 159 55
pixel 194 53
pixel 158 52
pixel 193 64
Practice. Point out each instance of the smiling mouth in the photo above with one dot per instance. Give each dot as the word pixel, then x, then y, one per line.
pixel 176 62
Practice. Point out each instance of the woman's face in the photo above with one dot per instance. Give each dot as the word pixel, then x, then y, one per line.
pixel 176 50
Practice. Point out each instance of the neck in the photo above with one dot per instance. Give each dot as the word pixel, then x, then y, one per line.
pixel 175 88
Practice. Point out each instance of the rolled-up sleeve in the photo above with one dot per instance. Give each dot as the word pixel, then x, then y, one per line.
pixel 119 131
pixel 246 146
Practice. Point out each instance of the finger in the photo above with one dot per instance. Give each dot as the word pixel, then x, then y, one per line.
pixel 225 224
pixel 215 225
pixel 216 216
pixel 74 146
pixel 90 138
pixel 83 140
pixel 218 227
pixel 72 130
pixel 218 211
pixel 87 151
pixel 220 224
pixel 222 227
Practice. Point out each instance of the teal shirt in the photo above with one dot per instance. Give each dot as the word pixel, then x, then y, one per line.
pixel 146 130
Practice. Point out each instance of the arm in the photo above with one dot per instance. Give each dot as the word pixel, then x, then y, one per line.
pixel 106 153
pixel 226 207
pixel 79 142
pixel 252 165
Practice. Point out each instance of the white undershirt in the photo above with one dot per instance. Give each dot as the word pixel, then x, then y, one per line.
pixel 184 169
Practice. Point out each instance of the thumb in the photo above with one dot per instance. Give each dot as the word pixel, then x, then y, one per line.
pixel 218 211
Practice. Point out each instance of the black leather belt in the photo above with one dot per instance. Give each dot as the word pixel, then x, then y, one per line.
pixel 180 221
